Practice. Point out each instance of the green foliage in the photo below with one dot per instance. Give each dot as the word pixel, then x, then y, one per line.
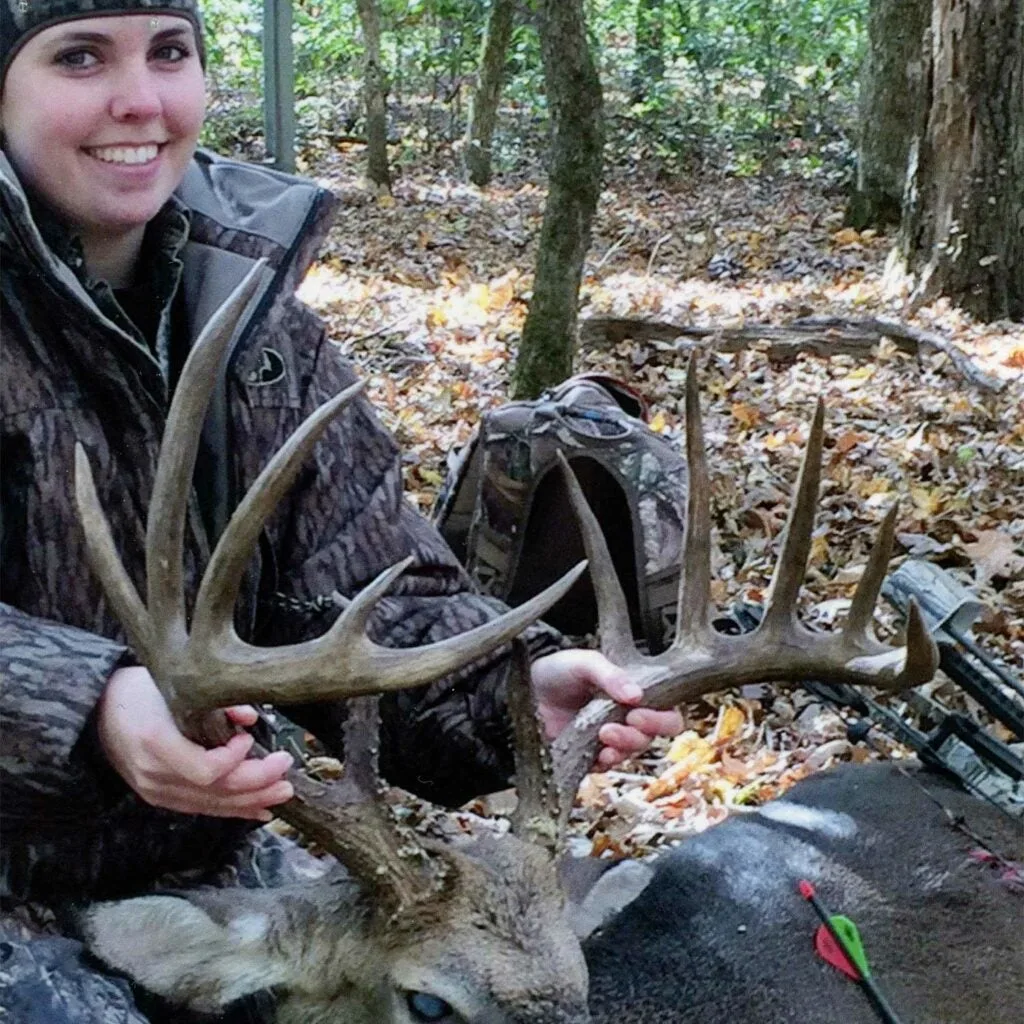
pixel 234 44
pixel 743 78
pixel 751 83
pixel 327 46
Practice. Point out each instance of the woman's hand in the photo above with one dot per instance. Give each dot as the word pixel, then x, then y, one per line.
pixel 566 680
pixel 142 742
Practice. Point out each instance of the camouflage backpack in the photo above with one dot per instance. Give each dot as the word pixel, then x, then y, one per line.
pixel 505 511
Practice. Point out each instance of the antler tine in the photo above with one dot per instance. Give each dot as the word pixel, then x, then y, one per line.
pixel 165 529
pixel 537 813
pixel 922 658
pixel 613 611
pixel 694 602
pixel 344 662
pixel 780 604
pixel 106 562
pixel 350 821
pixel 213 616
pixel 858 619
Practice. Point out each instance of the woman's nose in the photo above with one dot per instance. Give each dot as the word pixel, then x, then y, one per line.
pixel 136 96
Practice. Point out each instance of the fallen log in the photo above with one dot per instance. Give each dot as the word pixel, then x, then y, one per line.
pixel 819 336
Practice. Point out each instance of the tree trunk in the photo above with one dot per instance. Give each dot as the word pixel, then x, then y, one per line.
pixel 483 109
pixel 891 100
pixel 375 88
pixel 575 102
pixel 962 232
pixel 649 66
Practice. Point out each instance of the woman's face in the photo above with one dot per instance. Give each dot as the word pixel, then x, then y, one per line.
pixel 101 116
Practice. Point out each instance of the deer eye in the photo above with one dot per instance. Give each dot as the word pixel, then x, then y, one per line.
pixel 427 1008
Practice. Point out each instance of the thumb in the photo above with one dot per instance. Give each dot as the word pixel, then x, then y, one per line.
pixel 611 680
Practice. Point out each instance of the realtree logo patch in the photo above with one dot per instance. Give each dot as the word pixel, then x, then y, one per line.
pixel 270 370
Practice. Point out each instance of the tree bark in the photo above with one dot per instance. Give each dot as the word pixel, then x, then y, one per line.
pixel 483 109
pixel 375 91
pixel 576 109
pixel 891 100
pixel 962 232
pixel 649 66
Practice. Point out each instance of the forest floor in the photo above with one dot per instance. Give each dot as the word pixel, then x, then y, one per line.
pixel 426 292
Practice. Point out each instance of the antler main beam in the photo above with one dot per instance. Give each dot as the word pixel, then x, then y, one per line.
pixel 701 660
pixel 212 667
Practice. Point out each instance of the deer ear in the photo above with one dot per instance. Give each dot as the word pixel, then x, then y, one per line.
pixel 597 890
pixel 175 949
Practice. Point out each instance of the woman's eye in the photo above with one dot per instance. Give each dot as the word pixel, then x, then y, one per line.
pixel 77 59
pixel 173 53
pixel 427 1008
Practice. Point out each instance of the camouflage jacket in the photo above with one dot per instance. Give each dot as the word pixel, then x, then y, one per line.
pixel 75 368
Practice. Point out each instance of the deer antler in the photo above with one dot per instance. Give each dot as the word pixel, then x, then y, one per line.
pixel 537 811
pixel 212 667
pixel 702 660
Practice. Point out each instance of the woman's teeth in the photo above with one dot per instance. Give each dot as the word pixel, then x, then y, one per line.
pixel 125 154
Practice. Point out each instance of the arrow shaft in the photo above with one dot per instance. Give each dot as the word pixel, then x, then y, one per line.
pixel 873 992
pixel 867 982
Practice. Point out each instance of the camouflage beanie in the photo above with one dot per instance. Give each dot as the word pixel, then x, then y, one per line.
pixel 22 19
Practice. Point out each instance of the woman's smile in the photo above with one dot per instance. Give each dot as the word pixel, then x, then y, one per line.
pixel 126 154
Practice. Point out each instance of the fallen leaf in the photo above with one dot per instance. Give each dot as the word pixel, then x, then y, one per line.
pixel 928 501
pixel 730 720
pixel 686 744
pixel 848 441
pixel 436 317
pixel 847 236
pixel 689 752
pixel 746 415
pixel 658 423
pixel 994 553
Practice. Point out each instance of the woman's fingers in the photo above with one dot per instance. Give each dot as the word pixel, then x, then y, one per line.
pixel 254 805
pixel 655 723
pixel 252 774
pixel 177 756
pixel 255 774
pixel 244 715
pixel 622 740
pixel 609 757
pixel 143 743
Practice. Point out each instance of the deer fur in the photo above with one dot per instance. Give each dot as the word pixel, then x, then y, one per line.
pixel 721 936
pixel 497 946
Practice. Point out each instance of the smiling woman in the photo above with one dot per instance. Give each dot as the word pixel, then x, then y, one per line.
pixel 100 119
pixel 120 241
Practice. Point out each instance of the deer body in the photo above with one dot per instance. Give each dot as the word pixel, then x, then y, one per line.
pixel 721 935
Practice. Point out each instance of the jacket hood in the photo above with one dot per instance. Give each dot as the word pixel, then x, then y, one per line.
pixel 239 213
pixel 285 217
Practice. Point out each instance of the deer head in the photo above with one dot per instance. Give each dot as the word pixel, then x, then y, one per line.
pixel 416 931
pixel 489 942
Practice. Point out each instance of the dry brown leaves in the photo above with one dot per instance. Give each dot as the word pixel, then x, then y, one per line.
pixel 427 294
